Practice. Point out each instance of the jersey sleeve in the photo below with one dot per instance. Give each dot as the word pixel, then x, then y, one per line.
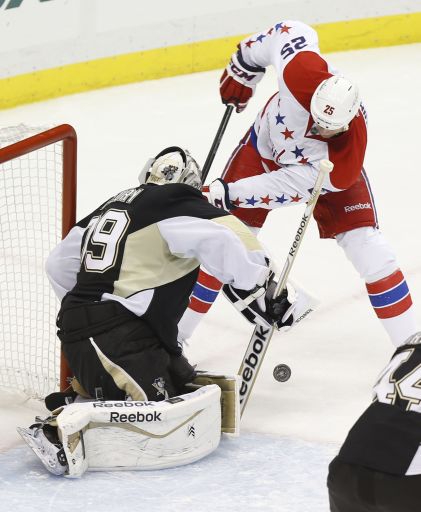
pixel 63 263
pixel 223 245
pixel 278 45
pixel 287 186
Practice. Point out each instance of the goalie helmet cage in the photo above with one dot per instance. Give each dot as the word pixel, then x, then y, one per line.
pixel 37 209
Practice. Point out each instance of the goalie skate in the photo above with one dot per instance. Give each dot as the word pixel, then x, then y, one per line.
pixel 50 452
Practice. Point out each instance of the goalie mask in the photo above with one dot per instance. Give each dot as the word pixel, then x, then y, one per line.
pixel 172 165
pixel 335 103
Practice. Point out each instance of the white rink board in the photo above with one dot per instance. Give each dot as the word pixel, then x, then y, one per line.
pixel 335 355
pixel 71 31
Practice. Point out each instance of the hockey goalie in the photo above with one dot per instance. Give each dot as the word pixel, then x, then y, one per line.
pixel 124 275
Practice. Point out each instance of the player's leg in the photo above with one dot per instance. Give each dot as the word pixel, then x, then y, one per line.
pixel 126 361
pixel 354 488
pixel 243 163
pixel 387 288
pixel 350 488
pixel 350 217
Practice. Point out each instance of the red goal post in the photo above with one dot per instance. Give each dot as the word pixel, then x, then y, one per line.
pixel 44 165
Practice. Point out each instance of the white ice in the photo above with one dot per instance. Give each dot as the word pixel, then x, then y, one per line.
pixel 290 430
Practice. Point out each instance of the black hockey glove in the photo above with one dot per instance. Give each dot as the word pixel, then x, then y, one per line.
pixel 181 371
pixel 277 307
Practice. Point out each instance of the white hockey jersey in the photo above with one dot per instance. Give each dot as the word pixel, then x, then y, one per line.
pixel 282 132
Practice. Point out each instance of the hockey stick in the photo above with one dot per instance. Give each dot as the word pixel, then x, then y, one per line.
pixel 215 145
pixel 261 336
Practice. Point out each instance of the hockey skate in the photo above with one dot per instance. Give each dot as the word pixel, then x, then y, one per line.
pixel 44 442
pixel 58 399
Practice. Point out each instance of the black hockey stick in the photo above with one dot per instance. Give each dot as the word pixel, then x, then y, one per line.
pixel 261 336
pixel 215 145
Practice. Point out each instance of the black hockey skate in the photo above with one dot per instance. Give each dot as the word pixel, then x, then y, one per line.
pixel 60 398
pixel 44 442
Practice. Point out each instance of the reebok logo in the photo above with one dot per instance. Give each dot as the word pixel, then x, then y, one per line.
pixel 303 316
pixel 253 359
pixel 122 404
pixel 117 417
pixel 299 234
pixel 359 206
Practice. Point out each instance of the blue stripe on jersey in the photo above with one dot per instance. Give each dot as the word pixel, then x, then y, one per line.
pixel 204 294
pixel 253 69
pixel 253 137
pixel 396 294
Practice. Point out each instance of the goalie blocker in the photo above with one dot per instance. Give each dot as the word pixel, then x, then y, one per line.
pixel 137 435
pixel 261 308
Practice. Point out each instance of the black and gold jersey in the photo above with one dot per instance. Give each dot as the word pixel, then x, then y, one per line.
pixel 387 437
pixel 143 248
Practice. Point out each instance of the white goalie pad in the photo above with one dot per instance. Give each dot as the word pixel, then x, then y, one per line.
pixel 140 435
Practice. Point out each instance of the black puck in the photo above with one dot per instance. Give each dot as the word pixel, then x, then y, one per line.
pixel 281 372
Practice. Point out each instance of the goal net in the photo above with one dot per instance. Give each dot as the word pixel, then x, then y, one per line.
pixel 37 208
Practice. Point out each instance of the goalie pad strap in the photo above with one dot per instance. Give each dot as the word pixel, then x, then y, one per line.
pixel 249 309
pixel 230 398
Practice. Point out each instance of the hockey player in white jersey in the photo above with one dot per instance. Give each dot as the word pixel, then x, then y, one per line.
pixel 124 275
pixel 315 114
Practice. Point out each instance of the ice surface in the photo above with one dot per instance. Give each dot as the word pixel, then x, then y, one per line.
pixel 335 355
pixel 255 472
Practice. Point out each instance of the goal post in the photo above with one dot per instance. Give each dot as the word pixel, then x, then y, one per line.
pixel 37 209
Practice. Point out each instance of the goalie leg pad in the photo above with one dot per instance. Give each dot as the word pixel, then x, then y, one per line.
pixel 130 435
pixel 141 435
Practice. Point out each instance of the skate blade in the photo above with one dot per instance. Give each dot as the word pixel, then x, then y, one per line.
pixel 53 466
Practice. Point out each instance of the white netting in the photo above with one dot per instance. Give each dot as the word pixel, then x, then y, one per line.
pixel 30 226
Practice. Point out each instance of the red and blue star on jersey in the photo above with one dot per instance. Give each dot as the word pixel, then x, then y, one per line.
pixel 257 201
pixel 279 27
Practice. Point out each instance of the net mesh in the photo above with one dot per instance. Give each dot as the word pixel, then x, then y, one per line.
pixel 30 226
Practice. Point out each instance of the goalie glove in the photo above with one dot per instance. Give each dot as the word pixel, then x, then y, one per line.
pixel 181 371
pixel 238 82
pixel 259 306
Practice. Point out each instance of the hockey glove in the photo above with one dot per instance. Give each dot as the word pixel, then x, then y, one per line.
pixel 238 82
pixel 219 195
pixel 181 371
pixel 288 308
pixel 258 305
